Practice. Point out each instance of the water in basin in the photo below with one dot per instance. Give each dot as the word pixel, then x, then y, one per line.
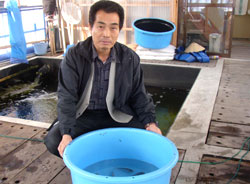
pixel 121 167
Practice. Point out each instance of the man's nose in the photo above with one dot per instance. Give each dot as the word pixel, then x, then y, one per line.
pixel 106 32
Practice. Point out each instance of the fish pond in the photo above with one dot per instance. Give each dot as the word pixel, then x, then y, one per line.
pixel 32 95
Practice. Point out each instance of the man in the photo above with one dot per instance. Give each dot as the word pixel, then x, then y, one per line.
pixel 100 83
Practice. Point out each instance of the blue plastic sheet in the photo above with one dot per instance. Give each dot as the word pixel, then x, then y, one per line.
pixel 17 39
pixel 201 56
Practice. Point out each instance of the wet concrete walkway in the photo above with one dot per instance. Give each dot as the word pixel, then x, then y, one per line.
pixel 213 124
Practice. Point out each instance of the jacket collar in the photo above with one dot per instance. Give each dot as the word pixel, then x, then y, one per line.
pixel 84 49
pixel 112 55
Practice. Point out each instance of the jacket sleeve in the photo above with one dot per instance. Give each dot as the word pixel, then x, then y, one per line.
pixel 140 101
pixel 67 93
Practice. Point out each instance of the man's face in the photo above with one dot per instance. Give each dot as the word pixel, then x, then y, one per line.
pixel 105 30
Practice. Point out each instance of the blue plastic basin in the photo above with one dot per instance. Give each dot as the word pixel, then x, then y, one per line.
pixel 153 33
pixel 120 143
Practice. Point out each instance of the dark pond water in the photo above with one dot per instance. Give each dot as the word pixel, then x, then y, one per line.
pixel 168 103
pixel 29 96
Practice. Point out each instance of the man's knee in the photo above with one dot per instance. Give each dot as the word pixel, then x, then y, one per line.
pixel 52 140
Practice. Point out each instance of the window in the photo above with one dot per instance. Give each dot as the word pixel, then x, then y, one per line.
pixel 34 27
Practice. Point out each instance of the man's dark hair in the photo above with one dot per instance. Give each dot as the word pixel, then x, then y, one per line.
pixel 108 7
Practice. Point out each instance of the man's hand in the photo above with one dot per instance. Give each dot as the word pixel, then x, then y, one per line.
pixel 66 139
pixel 153 127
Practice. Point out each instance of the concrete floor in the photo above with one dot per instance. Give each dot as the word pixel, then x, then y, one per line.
pixel 240 49
pixel 191 126
pixel 190 129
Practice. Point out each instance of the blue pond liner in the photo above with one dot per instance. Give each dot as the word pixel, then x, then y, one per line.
pixel 121 144
pixel 153 33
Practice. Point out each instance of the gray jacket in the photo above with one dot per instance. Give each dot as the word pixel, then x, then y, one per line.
pixel 130 95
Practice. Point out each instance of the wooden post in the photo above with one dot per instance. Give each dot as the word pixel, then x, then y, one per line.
pixel 176 22
pixel 125 22
pixel 62 24
pixel 174 17
pixel 52 37
pixel 59 23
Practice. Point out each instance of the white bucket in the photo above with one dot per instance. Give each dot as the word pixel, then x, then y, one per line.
pixel 40 48
pixel 214 42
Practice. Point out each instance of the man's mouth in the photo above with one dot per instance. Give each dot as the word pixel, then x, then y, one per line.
pixel 106 42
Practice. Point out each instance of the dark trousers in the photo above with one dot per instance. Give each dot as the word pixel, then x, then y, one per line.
pixel 89 121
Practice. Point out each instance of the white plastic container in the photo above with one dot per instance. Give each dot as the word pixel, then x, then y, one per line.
pixel 214 42
pixel 40 48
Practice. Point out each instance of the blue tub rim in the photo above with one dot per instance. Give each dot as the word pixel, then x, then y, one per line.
pixel 154 33
pixel 139 178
